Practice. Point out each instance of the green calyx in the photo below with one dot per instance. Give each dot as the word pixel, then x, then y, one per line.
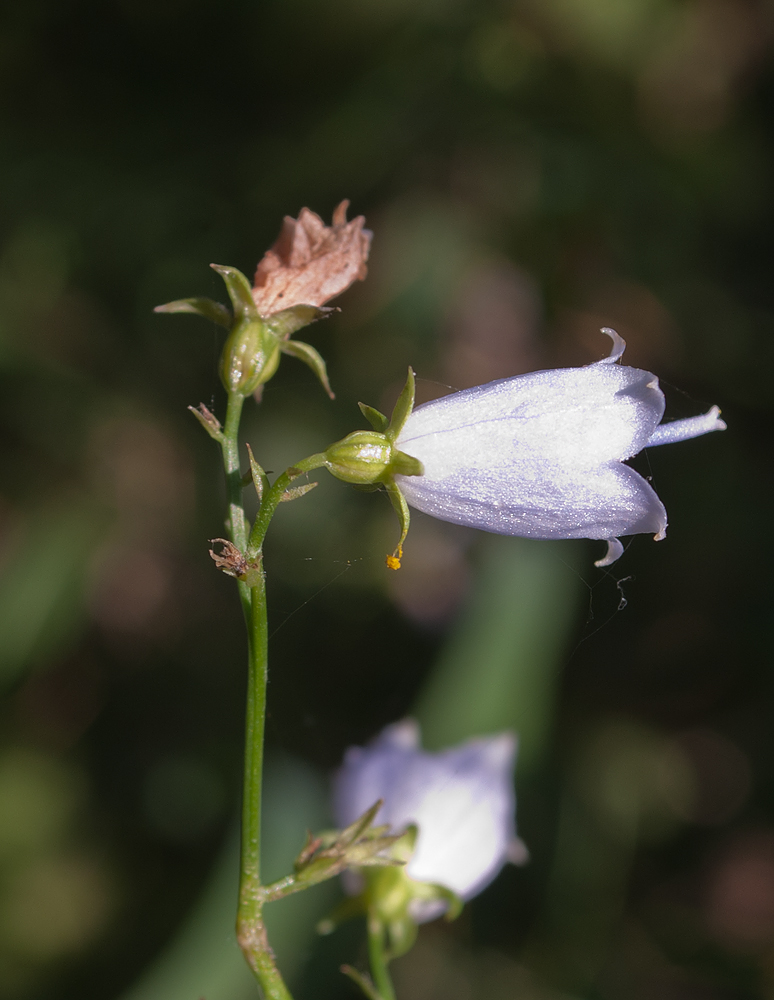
pixel 389 897
pixel 252 351
pixel 390 893
pixel 370 458
pixel 367 458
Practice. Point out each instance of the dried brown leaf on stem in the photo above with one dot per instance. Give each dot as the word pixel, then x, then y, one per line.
pixel 311 263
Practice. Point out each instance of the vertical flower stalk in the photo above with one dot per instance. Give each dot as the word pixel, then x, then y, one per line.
pixel 309 264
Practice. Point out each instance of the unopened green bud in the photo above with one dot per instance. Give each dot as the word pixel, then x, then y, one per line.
pixel 250 357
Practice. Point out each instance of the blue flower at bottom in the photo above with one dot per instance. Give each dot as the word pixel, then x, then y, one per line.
pixel 461 800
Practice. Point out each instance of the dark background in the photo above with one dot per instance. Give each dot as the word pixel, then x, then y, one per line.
pixel 531 171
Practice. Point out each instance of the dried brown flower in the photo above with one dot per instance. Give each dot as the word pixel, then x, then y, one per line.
pixel 311 263
pixel 234 563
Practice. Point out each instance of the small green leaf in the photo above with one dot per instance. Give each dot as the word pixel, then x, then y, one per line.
pixel 285 323
pixel 377 420
pixel 258 476
pixel 208 308
pixel 403 407
pixel 296 491
pixel 239 291
pixel 307 354
pixel 208 420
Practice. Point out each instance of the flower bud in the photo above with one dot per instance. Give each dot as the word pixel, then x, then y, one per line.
pixel 250 357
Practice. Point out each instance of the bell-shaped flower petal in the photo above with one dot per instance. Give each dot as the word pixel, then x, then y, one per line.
pixel 541 455
pixel 461 800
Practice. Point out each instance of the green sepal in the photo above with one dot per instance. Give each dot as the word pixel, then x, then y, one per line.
pixel 286 322
pixel 404 517
pixel 208 308
pixel 307 354
pixel 456 905
pixel 403 407
pixel 356 829
pixel 376 419
pixel 258 476
pixel 239 291
pixel 406 465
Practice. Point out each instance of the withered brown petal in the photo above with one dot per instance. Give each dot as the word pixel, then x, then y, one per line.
pixel 311 263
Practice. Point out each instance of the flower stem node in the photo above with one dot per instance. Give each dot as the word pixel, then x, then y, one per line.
pixel 233 563
pixel 361 845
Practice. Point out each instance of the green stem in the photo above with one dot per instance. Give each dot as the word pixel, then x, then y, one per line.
pixel 254 733
pixel 378 959
pixel 273 497
pixel 236 511
pixel 251 931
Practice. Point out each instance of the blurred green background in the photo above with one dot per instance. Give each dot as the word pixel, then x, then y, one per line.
pixel 531 170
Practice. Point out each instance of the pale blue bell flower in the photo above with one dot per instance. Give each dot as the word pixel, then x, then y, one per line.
pixel 541 455
pixel 462 801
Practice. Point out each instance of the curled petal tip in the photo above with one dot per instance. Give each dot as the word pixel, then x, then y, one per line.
pixel 500 750
pixel 616 351
pixel 404 735
pixel 517 852
pixel 614 552
pixel 714 413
